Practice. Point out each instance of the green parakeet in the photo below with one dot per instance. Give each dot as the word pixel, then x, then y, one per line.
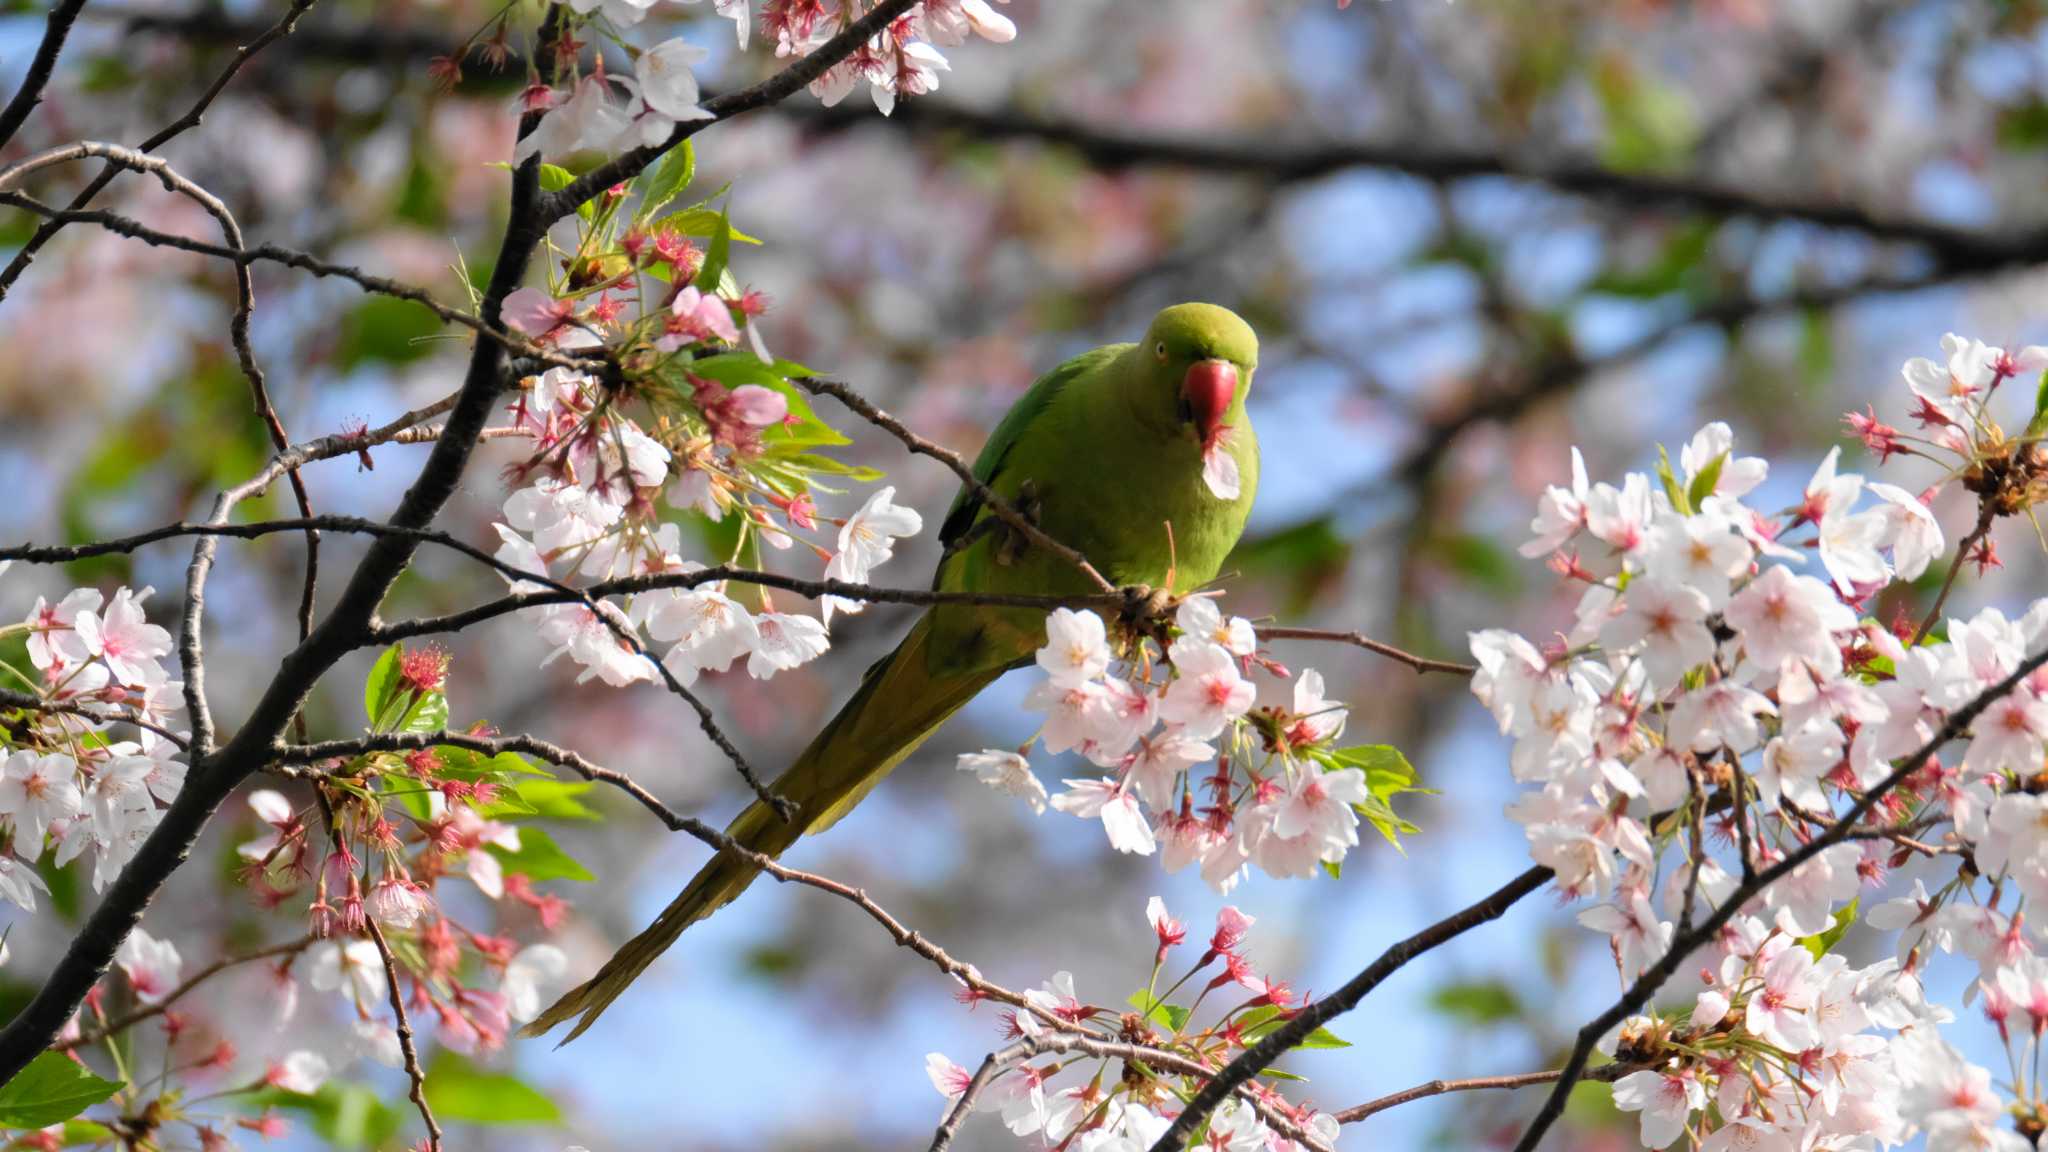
pixel 1138 455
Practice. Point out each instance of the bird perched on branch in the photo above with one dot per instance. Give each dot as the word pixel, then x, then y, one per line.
pixel 1139 456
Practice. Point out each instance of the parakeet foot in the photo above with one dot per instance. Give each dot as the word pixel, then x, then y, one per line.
pixel 1011 541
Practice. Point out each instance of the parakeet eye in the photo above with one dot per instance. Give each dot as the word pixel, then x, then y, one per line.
pixel 1159 350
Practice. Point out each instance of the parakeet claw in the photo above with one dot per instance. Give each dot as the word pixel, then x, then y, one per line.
pixel 1146 607
pixel 1012 541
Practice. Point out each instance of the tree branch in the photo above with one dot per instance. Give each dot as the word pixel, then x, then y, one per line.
pixel 55 30
pixel 306 262
pixel 1295 162
pixel 191 119
pixel 1653 978
pixel 1421 664
pixel 1064 1035
pixel 1003 509
pixel 212 777
pixel 1276 1043
pixel 99 714
pixel 121 1024
pixel 776 88
pixel 1605 1073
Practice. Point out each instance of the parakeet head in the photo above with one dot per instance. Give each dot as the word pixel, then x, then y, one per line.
pixel 1205 355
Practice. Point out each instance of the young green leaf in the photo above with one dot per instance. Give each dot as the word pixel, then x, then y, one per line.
pixel 1171 1016
pixel 666 180
pixel 716 256
pixel 540 858
pixel 1703 484
pixel 1823 942
pixel 459 1090
pixel 52 1089
pixel 380 691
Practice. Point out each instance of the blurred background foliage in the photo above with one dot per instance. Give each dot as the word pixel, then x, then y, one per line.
pixel 1470 235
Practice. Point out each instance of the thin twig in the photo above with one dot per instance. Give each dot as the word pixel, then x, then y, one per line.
pixel 517 601
pixel 191 656
pixel 1653 978
pixel 406 1048
pixel 121 1024
pixel 97 713
pixel 303 261
pixel 191 119
pixel 1297 1028
pixel 1605 1073
pixel 55 30
pixel 214 775
pixel 783 84
pixel 1987 512
pixel 1003 509
pixel 949 1125
pixel 1066 1036
pixel 1419 663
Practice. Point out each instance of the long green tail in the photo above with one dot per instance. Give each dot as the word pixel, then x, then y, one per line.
pixel 898 705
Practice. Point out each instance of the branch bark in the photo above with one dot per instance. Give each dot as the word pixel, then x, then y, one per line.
pixel 56 30
pixel 213 777
pixel 1639 993
pixel 1261 1056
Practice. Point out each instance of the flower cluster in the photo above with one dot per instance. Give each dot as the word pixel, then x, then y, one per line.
pixel 66 781
pixel 598 112
pixel 1108 1112
pixel 1278 792
pixel 363 851
pixel 1713 677
pixel 696 426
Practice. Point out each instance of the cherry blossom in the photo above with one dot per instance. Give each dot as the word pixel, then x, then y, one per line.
pixel 151 965
pixel 1207 691
pixel 1076 647
pixel 1118 808
pixel 36 790
pixel 1006 772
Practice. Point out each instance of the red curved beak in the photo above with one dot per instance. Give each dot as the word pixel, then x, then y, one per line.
pixel 1208 389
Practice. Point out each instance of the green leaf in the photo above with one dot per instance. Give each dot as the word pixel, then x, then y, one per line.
pixel 1302 558
pixel 1482 561
pixel 2038 426
pixel 702 221
pixel 540 858
pixel 1703 484
pixel 386 329
pixel 1477 1003
pixel 716 255
pixel 459 1090
pixel 804 429
pixel 667 179
pixel 1681 267
pixel 51 1090
pixel 1171 1016
pixel 810 462
pixel 548 799
pixel 78 1133
pixel 1323 1038
pixel 427 713
pixel 1669 479
pixel 1823 942
pixel 1276 1074
pixel 342 1113
pixel 1650 124
pixel 1387 772
pixel 2024 127
pixel 63 884
pixel 463 764
pixel 554 177
pixel 382 689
